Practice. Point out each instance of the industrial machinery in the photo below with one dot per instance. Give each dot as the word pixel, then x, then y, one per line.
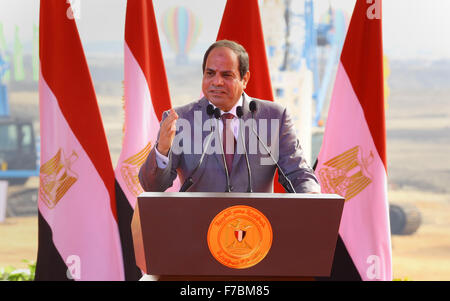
pixel 322 46
pixel 19 155
pixel 18 151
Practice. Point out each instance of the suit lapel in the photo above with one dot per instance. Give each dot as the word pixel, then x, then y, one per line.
pixel 240 155
pixel 218 140
pixel 200 106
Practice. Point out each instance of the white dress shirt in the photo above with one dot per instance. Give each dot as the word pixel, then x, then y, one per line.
pixel 162 160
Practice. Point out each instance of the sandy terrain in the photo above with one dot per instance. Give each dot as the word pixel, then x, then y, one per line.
pixel 425 255
pixel 18 241
pixel 418 147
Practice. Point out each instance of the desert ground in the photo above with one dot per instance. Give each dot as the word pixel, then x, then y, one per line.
pixel 418 148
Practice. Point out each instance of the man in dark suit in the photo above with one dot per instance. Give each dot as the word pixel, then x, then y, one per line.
pixel 225 76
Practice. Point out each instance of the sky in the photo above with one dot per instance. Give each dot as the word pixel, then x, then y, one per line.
pixel 411 28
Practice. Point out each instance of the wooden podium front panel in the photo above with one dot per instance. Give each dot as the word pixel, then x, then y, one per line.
pixel 175 233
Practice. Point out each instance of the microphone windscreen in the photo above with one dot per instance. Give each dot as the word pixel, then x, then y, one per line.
pixel 239 112
pixel 253 106
pixel 217 113
pixel 210 110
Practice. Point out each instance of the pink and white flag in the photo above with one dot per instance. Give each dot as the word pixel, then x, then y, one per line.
pixel 352 160
pixel 78 232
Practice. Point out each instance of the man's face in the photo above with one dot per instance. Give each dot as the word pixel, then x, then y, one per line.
pixel 222 84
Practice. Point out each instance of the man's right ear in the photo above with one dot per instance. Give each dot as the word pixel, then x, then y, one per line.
pixel 246 79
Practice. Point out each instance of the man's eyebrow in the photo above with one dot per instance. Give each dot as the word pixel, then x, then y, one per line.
pixel 221 71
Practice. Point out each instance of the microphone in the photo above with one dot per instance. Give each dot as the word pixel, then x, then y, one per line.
pixel 287 184
pixel 210 110
pixel 252 106
pixel 189 182
pixel 239 114
pixel 217 115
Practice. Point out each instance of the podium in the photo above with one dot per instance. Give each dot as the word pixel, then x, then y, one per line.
pixel 236 236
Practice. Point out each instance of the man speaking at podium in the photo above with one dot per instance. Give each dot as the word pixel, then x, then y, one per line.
pixel 204 142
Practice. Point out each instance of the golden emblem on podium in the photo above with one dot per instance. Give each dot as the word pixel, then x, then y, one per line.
pixel 239 237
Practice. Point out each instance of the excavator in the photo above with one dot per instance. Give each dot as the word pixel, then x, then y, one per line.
pixel 19 154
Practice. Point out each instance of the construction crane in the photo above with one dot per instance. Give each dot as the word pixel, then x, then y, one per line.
pixel 322 47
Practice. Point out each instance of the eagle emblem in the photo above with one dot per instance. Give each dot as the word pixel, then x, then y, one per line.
pixel 130 170
pixel 56 177
pixel 347 174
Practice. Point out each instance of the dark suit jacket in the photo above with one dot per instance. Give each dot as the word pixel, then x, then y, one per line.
pixel 210 176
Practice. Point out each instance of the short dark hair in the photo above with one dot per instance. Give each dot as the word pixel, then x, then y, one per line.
pixel 238 49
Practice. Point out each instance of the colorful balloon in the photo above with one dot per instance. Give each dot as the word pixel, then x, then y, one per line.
pixel 181 28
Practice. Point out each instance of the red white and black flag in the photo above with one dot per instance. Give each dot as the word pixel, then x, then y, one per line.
pixel 352 160
pixel 241 22
pixel 78 232
pixel 146 97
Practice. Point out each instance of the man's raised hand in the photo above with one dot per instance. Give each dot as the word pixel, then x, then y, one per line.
pixel 167 133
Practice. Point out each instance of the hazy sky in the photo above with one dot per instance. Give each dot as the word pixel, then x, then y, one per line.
pixel 412 28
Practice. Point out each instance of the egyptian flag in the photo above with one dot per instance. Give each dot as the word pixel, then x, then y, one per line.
pixel 352 160
pixel 78 232
pixel 146 98
pixel 241 22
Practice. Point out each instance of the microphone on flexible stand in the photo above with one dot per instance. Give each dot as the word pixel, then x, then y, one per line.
pixel 287 184
pixel 239 114
pixel 188 183
pixel 217 115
